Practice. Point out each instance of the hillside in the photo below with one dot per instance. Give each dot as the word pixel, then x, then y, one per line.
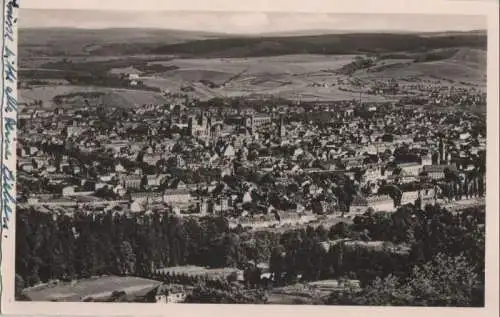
pixel 120 42
pixel 453 66
pixel 95 288
pixel 320 67
pixel 321 44
pixel 95 96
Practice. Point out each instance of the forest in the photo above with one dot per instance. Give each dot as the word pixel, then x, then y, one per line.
pixel 66 248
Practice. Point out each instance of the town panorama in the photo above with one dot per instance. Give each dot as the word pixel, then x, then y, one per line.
pixel 191 167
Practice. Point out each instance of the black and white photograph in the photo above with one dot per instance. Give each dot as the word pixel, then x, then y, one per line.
pixel 274 158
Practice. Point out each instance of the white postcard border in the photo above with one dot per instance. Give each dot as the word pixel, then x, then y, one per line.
pixel 487 8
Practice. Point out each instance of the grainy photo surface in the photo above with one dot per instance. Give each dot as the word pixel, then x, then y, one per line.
pixel 251 158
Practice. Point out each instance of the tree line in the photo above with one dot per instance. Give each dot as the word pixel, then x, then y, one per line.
pixel 85 245
pixel 80 246
pixel 426 233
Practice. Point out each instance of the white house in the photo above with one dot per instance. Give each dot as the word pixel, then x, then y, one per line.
pixel 133 76
pixel 137 206
pixel 410 169
pixel 177 196
pixel 167 294
pixel 381 203
pixel 229 151
pixel 119 168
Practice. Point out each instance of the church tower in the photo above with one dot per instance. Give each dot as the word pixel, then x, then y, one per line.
pixel 282 129
pixel 443 155
pixel 442 152
pixel 150 136
pixel 427 159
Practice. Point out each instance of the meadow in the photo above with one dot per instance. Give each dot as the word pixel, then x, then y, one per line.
pixel 112 97
pixel 96 288
pixel 312 68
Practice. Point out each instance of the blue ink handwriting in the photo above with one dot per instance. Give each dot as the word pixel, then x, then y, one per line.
pixel 10 71
pixel 10 125
pixel 9 20
pixel 11 104
pixel 8 182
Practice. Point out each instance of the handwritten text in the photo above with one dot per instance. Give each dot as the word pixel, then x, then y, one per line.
pixel 10 100
pixel 9 113
pixel 10 125
pixel 8 200
pixel 9 20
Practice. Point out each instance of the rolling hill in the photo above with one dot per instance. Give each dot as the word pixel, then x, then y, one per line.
pixel 121 42
pixel 108 42
pixel 318 67
pixel 321 44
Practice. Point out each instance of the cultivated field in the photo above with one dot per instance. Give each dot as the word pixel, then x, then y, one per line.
pixel 288 68
pixel 112 97
pixel 295 294
pixel 313 77
pixel 96 288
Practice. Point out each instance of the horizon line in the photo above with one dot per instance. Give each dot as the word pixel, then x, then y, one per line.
pixel 238 11
pixel 320 31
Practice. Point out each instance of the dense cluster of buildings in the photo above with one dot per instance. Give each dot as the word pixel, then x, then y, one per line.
pixel 281 165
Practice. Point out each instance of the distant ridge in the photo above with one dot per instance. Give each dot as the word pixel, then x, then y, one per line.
pixel 318 32
pixel 331 32
pixel 56 41
pixel 351 43
pixel 270 23
pixel 117 30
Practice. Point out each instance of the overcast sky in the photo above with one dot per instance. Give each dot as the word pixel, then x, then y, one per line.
pixel 103 14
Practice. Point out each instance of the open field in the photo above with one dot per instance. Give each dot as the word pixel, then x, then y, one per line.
pixel 296 294
pixel 284 67
pixel 293 75
pixel 111 97
pixel 56 42
pixel 126 42
pixel 447 72
pixel 287 299
pixel 97 287
pixel 289 64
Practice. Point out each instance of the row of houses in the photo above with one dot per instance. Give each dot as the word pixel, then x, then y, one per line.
pixel 385 203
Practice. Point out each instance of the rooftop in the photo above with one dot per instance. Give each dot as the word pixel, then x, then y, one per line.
pixel 439 168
